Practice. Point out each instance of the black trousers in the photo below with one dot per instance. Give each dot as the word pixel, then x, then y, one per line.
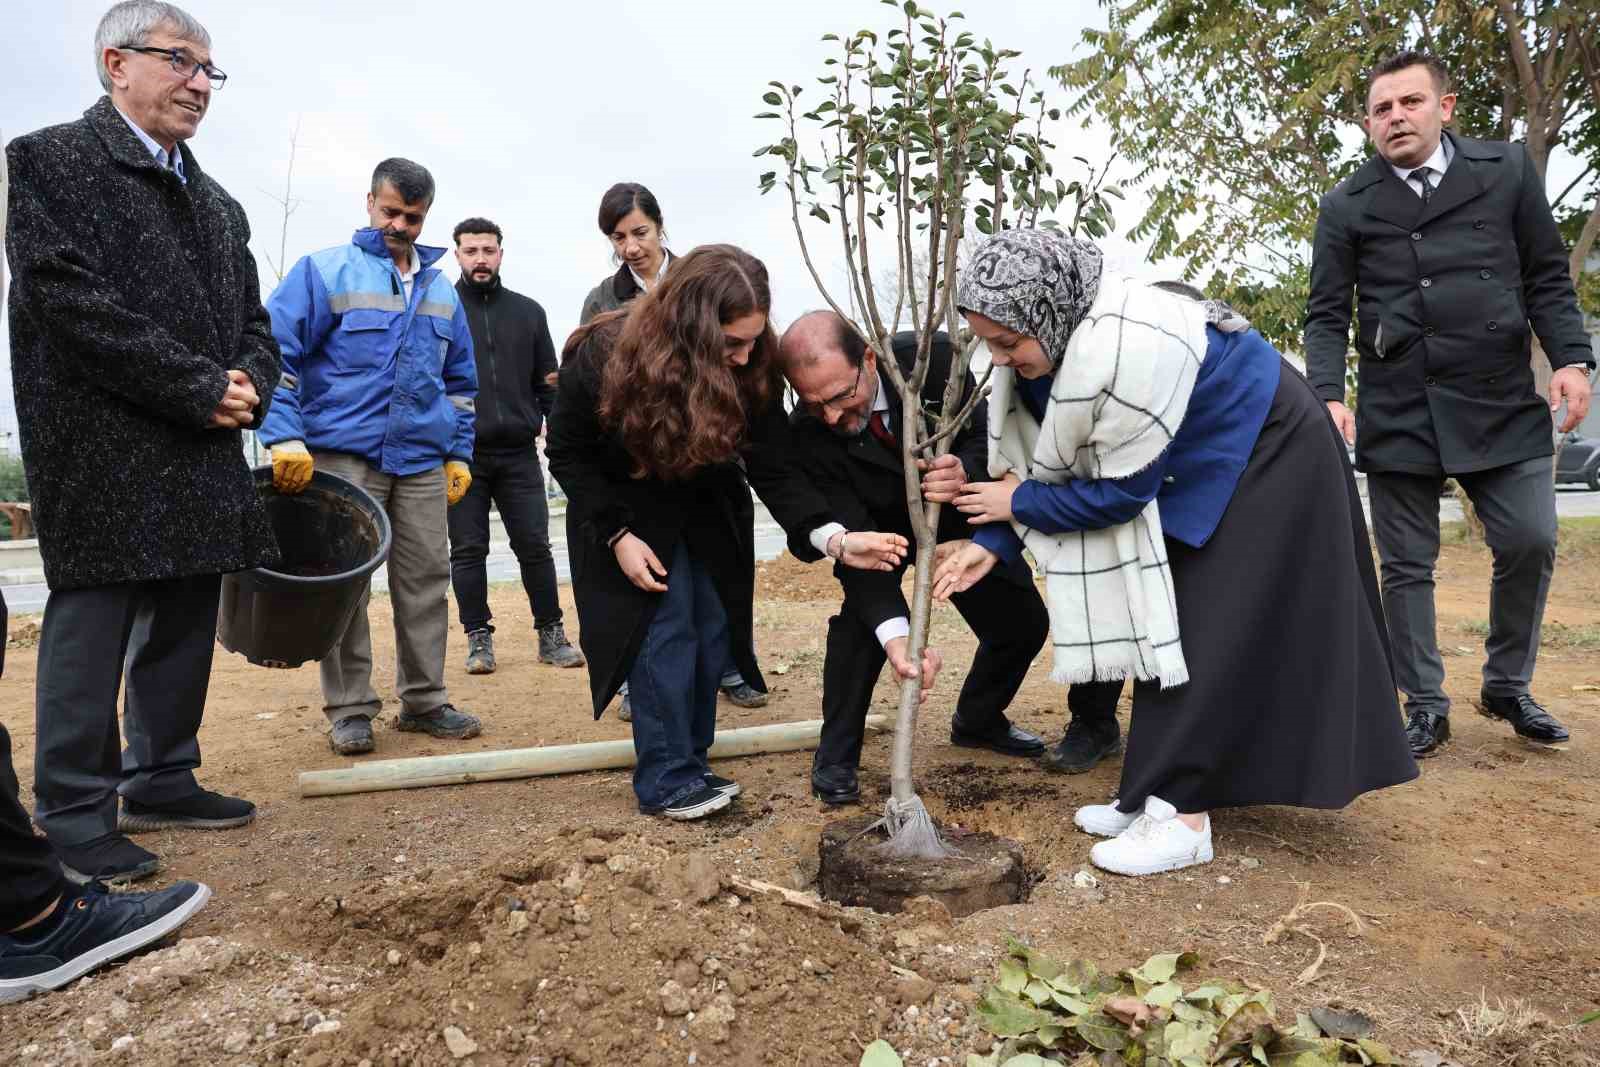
pixel 160 635
pixel 1009 619
pixel 30 878
pixel 513 482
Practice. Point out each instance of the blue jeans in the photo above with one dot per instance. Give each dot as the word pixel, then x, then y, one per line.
pixel 673 685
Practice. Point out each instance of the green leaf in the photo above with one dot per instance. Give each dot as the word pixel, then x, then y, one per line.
pixel 1593 1016
pixel 1004 1015
pixel 1250 1025
pixel 818 212
pixel 991 1060
pixel 772 98
pixel 1013 976
pixel 881 1054
pixel 1065 1001
pixel 1038 992
pixel 1026 1059
pixel 1162 967
pixel 1102 1032
pixel 1163 995
pixel 1049 1035
pixel 1378 1052
pixel 1076 976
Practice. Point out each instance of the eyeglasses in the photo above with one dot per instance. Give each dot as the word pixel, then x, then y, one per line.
pixel 182 63
pixel 837 403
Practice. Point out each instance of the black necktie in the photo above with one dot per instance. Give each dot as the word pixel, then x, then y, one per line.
pixel 1421 174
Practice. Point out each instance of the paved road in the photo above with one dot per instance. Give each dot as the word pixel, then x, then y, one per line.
pixel 29 597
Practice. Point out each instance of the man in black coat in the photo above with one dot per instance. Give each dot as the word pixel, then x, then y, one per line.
pixel 1450 248
pixel 139 349
pixel 516 362
pixel 845 438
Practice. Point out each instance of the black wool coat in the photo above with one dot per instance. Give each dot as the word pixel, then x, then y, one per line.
pixel 132 296
pixel 863 482
pixel 710 511
pixel 1444 296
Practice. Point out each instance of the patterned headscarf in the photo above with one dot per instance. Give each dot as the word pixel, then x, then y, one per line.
pixel 1040 283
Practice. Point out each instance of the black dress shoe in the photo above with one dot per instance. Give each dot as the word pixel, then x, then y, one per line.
pixel 1426 732
pixel 1006 739
pixel 1527 718
pixel 835 786
pixel 1086 742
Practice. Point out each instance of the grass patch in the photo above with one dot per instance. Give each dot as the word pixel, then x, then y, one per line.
pixel 1577 537
pixel 1554 635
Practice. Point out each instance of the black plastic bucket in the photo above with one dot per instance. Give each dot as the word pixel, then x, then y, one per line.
pixel 332 536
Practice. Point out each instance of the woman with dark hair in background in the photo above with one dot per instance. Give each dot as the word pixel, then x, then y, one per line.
pixel 657 406
pixel 630 217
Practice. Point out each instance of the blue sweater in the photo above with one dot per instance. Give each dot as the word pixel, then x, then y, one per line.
pixel 1192 481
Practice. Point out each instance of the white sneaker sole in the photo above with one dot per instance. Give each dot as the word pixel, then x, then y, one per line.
pixel 1102 826
pixel 13 990
pixel 1203 854
pixel 715 803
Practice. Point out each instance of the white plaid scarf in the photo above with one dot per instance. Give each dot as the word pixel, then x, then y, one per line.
pixel 1120 390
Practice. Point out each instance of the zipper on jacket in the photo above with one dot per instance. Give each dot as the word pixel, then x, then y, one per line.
pixel 488 336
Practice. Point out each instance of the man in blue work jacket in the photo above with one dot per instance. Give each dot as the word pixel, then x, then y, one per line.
pixel 378 387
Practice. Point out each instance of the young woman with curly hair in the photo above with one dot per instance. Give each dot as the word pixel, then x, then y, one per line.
pixel 658 405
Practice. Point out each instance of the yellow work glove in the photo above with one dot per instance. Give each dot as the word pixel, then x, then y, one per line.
pixel 291 466
pixel 457 480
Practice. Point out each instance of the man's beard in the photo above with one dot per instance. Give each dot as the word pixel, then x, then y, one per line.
pixel 487 282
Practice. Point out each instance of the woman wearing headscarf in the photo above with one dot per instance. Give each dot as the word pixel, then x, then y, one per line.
pixel 630 218
pixel 658 404
pixel 1195 515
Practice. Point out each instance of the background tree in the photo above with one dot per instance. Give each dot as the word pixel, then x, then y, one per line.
pixel 1241 113
pixel 919 130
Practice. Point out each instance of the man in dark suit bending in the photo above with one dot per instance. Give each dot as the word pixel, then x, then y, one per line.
pixel 846 437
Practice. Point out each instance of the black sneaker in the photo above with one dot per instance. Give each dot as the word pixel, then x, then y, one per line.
pixel 744 695
pixel 480 652
pixel 89 928
pixel 200 810
pixel 1086 743
pixel 723 785
pixel 111 858
pixel 697 805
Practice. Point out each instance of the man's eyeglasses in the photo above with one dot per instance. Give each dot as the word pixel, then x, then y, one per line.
pixel 837 403
pixel 182 63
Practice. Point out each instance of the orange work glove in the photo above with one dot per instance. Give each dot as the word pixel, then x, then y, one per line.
pixel 457 480
pixel 291 466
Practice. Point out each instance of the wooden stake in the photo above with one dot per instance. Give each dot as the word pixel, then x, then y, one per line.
pixel 418 772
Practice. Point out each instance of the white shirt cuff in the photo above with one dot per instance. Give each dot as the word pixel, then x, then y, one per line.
pixel 887 631
pixel 822 534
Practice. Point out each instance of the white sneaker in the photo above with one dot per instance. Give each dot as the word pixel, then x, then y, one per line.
pixel 1103 820
pixel 1157 841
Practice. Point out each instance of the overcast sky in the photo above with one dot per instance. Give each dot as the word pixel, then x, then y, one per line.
pixel 525 113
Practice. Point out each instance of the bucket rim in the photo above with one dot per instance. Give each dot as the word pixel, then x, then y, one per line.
pixel 344 486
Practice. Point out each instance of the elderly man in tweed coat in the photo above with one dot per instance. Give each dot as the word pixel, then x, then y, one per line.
pixel 140 349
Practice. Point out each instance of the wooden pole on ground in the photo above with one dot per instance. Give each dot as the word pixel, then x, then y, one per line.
pixel 467 767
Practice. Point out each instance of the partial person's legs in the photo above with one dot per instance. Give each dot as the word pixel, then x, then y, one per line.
pixel 519 494
pixel 850 670
pixel 30 879
pixel 1405 525
pixel 668 719
pixel 419 572
pixel 77 753
pixel 468 522
pixel 1518 508
pixel 711 626
pixel 346 671
pixel 1010 621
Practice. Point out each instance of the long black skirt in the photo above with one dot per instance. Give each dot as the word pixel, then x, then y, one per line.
pixel 1291 695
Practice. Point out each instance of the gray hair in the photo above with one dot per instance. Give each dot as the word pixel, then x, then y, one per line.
pixel 131 22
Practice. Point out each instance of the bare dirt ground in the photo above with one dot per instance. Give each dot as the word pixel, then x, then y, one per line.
pixel 546 922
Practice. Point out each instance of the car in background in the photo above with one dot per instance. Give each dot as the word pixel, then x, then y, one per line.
pixel 1578 460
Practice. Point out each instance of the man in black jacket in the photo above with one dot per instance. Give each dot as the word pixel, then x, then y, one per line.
pixel 1450 248
pixel 845 433
pixel 511 343
pixel 139 349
